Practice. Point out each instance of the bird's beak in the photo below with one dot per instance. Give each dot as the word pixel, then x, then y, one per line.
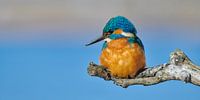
pixel 96 40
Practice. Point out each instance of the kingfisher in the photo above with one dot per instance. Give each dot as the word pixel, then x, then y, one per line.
pixel 122 53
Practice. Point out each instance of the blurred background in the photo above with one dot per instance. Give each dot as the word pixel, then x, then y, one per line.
pixel 43 57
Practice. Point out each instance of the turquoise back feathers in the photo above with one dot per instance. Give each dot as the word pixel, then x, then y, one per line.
pixel 119 22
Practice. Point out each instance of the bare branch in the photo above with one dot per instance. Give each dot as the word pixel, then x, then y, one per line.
pixel 179 67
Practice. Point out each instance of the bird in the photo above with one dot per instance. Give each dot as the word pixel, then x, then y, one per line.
pixel 122 52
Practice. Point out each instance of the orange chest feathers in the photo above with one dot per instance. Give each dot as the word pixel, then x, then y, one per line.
pixel 123 59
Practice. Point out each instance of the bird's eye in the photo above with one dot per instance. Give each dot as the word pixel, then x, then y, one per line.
pixel 110 31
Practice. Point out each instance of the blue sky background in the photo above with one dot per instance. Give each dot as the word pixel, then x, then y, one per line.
pixel 43 57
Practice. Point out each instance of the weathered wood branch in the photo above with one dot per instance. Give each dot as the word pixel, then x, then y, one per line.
pixel 179 67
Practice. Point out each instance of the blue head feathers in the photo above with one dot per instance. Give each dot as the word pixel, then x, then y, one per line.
pixel 119 22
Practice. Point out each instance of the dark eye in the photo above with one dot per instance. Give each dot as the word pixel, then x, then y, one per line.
pixel 110 31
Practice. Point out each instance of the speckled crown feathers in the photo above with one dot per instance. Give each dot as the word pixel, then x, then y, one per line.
pixel 119 22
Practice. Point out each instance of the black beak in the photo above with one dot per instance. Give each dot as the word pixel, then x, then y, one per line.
pixel 95 41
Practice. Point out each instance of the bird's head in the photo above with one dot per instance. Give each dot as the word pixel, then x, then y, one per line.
pixel 117 27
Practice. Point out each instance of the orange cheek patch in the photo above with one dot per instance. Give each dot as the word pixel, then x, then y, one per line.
pixel 118 31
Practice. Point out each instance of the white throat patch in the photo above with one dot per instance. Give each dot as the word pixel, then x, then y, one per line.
pixel 107 39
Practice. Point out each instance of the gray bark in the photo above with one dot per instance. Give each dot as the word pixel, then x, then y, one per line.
pixel 179 67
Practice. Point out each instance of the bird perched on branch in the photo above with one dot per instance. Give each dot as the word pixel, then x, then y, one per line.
pixel 123 52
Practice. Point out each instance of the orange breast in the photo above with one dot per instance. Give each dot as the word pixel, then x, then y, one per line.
pixel 122 58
